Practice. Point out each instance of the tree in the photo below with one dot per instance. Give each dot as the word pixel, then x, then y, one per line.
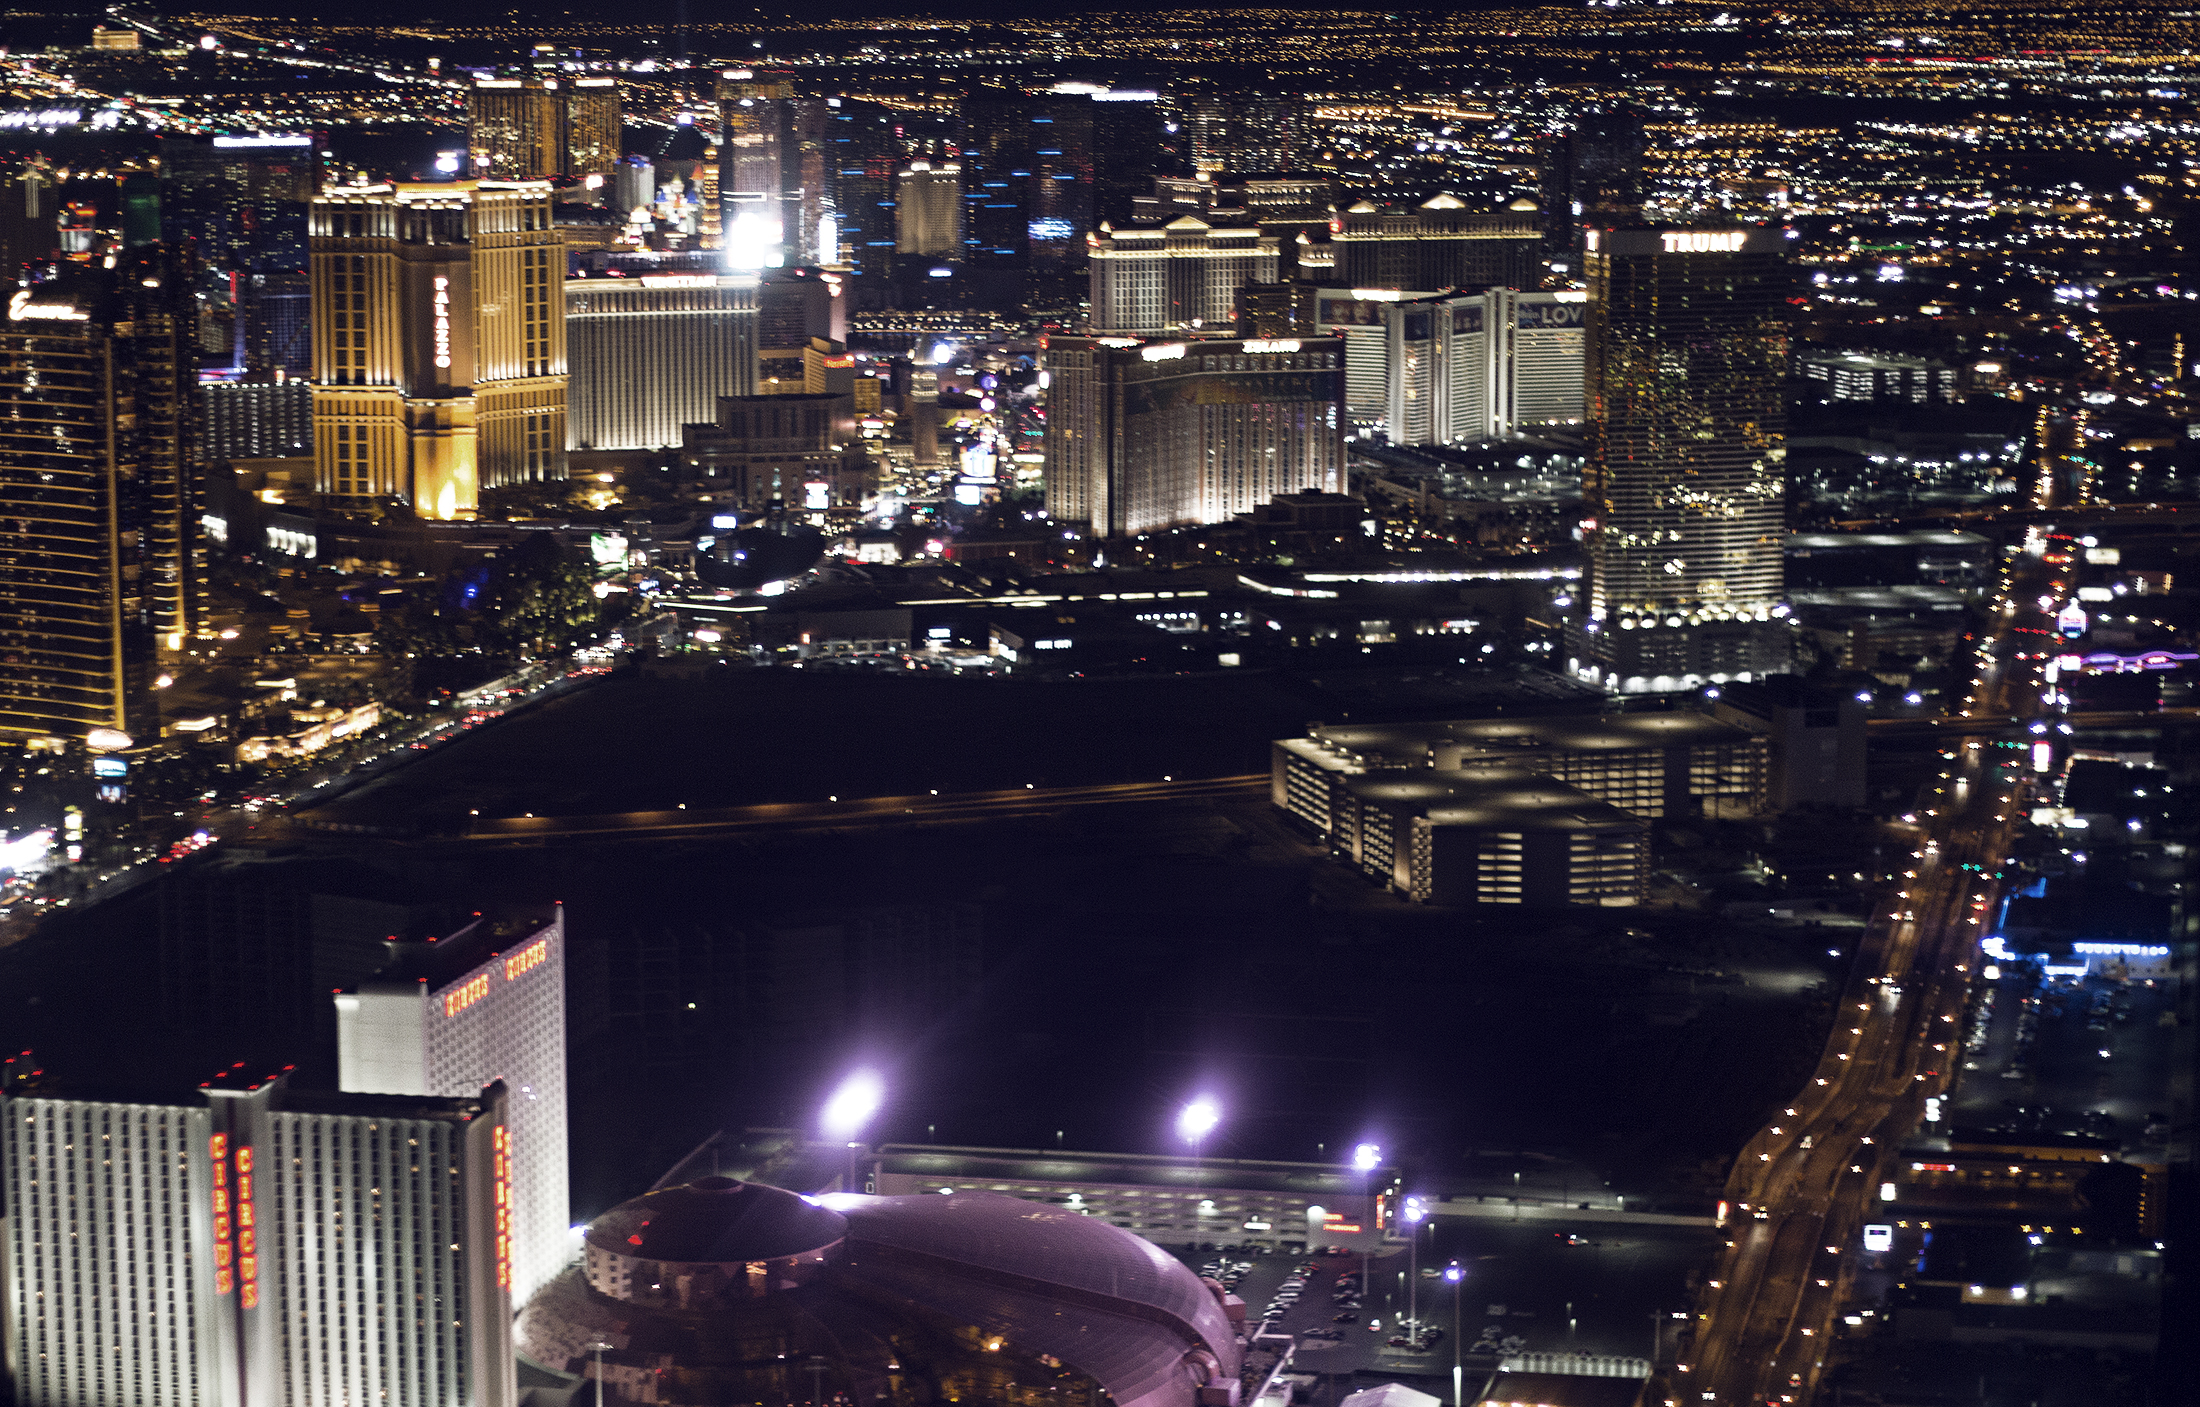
pixel 541 599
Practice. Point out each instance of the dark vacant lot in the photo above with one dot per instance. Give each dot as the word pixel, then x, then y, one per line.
pixel 755 736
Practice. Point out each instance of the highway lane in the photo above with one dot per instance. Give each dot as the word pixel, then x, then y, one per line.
pixel 1804 1184
pixel 792 817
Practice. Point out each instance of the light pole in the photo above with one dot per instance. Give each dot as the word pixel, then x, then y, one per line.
pixel 1457 1277
pixel 1413 1214
pixel 1193 1124
pixel 1367 1157
pixel 597 1348
pixel 852 1106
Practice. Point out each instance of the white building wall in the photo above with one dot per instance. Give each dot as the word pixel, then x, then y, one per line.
pixel 516 1033
pixel 381 1041
pixel 109 1248
pixel 1547 359
pixel 362 1226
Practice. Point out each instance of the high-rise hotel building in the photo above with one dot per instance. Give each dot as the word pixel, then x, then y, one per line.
pixel 438 343
pixel 1145 436
pixel 248 1244
pixel 1476 366
pixel 1435 245
pixel 1686 352
pixel 102 488
pixel 485 1005
pixel 528 129
pixel 1182 276
pixel 651 354
pixel 928 203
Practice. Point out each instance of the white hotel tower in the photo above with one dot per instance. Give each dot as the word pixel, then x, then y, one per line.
pixel 447 1016
pixel 246 1244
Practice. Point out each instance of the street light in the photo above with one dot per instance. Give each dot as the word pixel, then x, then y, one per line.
pixel 1457 1277
pixel 852 1106
pixel 1414 1214
pixel 1366 1158
pixel 597 1348
pixel 1193 1123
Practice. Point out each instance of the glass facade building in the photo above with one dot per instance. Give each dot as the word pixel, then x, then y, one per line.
pixel 1686 353
pixel 102 491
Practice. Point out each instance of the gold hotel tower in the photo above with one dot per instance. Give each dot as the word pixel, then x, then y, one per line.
pixel 438 343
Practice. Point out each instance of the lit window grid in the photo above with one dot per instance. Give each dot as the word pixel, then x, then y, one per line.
pixel 109 1241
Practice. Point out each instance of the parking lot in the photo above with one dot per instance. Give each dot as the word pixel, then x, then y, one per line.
pixel 2079 1057
pixel 1527 1287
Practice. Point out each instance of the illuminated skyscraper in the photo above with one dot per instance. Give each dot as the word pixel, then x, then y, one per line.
pixel 512 128
pixel 862 155
pixel 242 202
pixel 591 137
pixel 1183 276
pixel 1686 355
pixel 247 1243
pixel 1147 436
pixel 1027 168
pixel 776 158
pixel 528 129
pixel 438 343
pixel 486 1004
pixel 102 488
pixel 1252 132
pixel 928 202
pixel 654 353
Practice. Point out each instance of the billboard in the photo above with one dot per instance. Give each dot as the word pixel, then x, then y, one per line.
pixel 1529 314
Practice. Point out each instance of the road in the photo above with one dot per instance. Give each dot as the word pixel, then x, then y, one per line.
pixel 1803 1186
pixel 1971 725
pixel 789 817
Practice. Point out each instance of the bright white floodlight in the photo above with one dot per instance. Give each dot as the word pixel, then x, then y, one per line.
pixel 1367 1157
pixel 1198 1120
pixel 853 1104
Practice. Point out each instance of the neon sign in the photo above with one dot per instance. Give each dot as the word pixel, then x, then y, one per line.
pixel 502 1175
pixel 1285 344
pixel 248 1260
pixel 527 959
pixel 472 990
pixel 217 1147
pixel 442 321
pixel 20 307
pixel 1703 241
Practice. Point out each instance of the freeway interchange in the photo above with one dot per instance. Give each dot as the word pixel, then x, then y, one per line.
pixel 1802 1187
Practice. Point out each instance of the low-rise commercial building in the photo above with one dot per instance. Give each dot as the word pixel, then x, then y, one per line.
pixel 1816 736
pixel 1489 835
pixel 1653 765
pixel 781 452
pixel 1540 812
